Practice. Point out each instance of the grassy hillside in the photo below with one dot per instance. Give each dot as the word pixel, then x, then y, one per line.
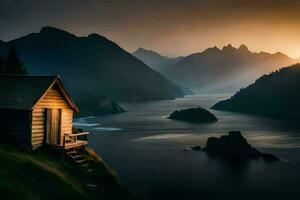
pixel 43 174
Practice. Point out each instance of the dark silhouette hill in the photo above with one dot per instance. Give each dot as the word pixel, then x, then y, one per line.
pixel 224 69
pixel 91 66
pixel 154 59
pixel 275 95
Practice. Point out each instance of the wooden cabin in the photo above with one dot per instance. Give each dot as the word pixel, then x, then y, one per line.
pixel 36 111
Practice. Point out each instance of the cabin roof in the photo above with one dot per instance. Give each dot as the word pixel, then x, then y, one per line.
pixel 24 92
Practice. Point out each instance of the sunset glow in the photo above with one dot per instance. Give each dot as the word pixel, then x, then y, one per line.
pixel 170 27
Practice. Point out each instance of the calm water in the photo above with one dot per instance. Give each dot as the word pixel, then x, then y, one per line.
pixel 150 153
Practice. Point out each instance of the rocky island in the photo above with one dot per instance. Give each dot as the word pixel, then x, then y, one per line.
pixel 196 115
pixel 233 147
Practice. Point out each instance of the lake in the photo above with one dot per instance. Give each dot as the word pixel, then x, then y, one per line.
pixel 151 155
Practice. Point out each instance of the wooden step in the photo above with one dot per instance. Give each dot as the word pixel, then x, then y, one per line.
pixel 81 161
pixel 77 156
pixel 74 154
pixel 72 151
pixel 85 165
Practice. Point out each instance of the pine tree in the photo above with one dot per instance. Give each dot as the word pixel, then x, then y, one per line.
pixel 13 64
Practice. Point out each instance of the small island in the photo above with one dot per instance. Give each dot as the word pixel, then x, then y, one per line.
pixel 233 147
pixel 195 115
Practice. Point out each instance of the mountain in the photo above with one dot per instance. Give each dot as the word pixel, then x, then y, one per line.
pixel 154 59
pixel 91 66
pixel 275 95
pixel 225 70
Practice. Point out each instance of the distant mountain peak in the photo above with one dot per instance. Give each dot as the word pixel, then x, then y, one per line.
pixel 48 30
pixel 279 53
pixel 215 70
pixel 153 59
pixel 212 49
pixel 91 66
pixel 95 35
pixel 243 48
pixel 142 50
pixel 229 47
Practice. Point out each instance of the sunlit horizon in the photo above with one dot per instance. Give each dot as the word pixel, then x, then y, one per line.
pixel 172 28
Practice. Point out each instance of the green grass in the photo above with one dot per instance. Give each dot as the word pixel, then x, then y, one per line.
pixel 43 174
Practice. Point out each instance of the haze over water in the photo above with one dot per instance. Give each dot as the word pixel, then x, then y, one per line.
pixel 151 155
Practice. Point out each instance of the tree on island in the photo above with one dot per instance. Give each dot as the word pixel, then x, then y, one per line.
pixel 12 64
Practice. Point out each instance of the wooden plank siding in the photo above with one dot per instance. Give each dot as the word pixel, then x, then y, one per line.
pixel 53 99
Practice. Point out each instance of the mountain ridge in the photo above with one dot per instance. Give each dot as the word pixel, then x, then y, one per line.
pixel 91 66
pixel 274 95
pixel 228 68
pixel 153 59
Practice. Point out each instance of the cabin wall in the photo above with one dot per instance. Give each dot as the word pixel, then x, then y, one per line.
pixel 15 127
pixel 52 100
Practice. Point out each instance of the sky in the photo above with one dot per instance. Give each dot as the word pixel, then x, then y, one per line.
pixel 171 27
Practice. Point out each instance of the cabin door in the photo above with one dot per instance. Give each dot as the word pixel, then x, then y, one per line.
pixel 53 126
